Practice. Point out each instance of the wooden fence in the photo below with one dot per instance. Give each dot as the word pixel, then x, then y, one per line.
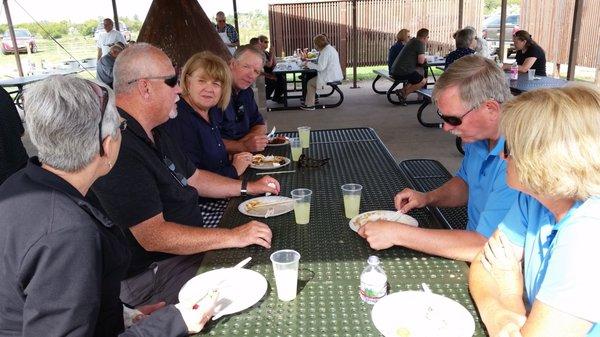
pixel 550 21
pixel 293 25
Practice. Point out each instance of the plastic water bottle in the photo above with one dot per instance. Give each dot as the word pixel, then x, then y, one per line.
pixel 514 71
pixel 373 281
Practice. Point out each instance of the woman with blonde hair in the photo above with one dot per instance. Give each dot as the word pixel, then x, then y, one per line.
pixel 206 90
pixel 401 38
pixel 546 248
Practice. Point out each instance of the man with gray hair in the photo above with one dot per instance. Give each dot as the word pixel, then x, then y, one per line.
pixel 469 96
pixel 153 188
pixel 104 68
pixel 226 32
pixel 242 126
pixel 465 45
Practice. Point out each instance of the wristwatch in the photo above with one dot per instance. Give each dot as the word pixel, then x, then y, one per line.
pixel 244 189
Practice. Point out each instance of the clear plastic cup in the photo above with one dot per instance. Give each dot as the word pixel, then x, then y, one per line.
pixel 285 268
pixel 304 135
pixel 531 74
pixel 301 197
pixel 296 149
pixel 351 194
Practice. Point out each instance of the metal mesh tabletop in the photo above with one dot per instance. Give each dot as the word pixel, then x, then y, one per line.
pixel 333 256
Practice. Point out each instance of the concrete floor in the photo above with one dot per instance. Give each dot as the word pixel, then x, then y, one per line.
pixel 396 125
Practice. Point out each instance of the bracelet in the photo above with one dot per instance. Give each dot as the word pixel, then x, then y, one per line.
pixel 244 189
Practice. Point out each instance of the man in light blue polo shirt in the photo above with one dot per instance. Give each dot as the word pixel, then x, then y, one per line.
pixel 469 97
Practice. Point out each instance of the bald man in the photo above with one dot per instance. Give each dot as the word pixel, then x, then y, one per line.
pixel 152 190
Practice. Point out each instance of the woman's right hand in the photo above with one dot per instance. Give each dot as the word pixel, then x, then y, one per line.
pixel 241 161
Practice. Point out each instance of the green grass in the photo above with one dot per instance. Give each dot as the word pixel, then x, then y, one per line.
pixel 367 74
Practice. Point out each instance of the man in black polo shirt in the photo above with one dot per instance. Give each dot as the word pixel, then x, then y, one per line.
pixel 12 152
pixel 153 188
pixel 406 63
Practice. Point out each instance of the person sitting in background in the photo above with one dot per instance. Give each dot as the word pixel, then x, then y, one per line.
pixel 62 259
pixel 104 68
pixel 537 275
pixel 328 70
pixel 465 42
pixel 255 43
pixel 153 189
pixel 275 84
pixel 242 125
pixel 13 155
pixel 405 65
pixel 205 83
pixel 469 96
pixel 529 54
pixel 482 48
pixel 401 39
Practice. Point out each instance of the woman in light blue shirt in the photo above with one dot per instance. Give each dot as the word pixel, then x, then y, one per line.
pixel 538 275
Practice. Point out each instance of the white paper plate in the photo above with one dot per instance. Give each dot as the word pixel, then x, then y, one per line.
pixel 239 289
pixel 365 217
pixel 421 314
pixel 287 141
pixel 261 211
pixel 270 165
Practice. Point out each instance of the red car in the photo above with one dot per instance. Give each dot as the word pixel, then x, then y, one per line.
pixel 24 39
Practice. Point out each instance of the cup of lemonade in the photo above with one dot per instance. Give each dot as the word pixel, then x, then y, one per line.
pixel 301 197
pixel 304 134
pixel 351 194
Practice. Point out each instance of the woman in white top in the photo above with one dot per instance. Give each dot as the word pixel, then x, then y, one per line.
pixel 328 70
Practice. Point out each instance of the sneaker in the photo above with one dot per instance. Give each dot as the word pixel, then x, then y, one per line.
pixel 401 97
pixel 304 107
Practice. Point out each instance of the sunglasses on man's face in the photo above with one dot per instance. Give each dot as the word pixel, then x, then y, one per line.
pixel 170 80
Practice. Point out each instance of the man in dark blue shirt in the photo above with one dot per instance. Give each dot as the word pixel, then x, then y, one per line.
pixel 242 126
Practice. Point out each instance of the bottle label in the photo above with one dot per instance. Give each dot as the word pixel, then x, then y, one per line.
pixel 371 293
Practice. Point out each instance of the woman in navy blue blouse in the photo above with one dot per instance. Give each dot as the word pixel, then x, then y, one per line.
pixel 205 83
pixel 465 45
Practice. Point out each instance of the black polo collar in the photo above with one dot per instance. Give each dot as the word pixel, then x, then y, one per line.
pixel 36 173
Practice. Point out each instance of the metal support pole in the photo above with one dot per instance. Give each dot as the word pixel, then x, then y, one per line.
pixel 13 38
pixel 461 6
pixel 235 18
pixel 115 15
pixel 502 29
pixel 354 45
pixel 574 47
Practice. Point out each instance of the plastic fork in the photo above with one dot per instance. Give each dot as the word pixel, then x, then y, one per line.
pixel 270 212
pixel 271 134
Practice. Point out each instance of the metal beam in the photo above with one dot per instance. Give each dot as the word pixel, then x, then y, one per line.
pixel 461 6
pixel 574 47
pixel 354 44
pixel 115 15
pixel 502 29
pixel 13 38
pixel 235 18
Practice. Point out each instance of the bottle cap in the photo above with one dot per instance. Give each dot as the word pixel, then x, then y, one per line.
pixel 373 260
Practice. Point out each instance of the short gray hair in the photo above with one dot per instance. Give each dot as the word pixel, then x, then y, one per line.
pixel 62 114
pixel 477 79
pixel 463 38
pixel 247 48
pixel 132 64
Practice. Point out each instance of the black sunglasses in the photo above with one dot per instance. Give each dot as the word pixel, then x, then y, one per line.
pixel 103 95
pixel 506 150
pixel 170 80
pixel 305 161
pixel 178 176
pixel 454 120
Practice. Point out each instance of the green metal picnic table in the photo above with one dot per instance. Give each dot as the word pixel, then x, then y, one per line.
pixel 333 256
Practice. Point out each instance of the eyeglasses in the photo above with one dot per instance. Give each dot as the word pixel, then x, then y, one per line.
pixel 102 93
pixel 178 176
pixel 170 80
pixel 123 125
pixel 454 120
pixel 305 161
pixel 506 150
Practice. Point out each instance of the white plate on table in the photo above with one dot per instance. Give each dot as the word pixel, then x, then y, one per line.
pixel 271 165
pixel 286 206
pixel 239 289
pixel 365 217
pixel 421 314
pixel 287 141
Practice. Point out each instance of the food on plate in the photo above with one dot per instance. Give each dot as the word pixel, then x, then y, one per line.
pixel 377 215
pixel 278 140
pixel 259 159
pixel 252 204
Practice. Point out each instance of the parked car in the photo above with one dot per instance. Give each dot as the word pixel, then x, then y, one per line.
pixel 24 40
pixel 491 31
pixel 122 28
